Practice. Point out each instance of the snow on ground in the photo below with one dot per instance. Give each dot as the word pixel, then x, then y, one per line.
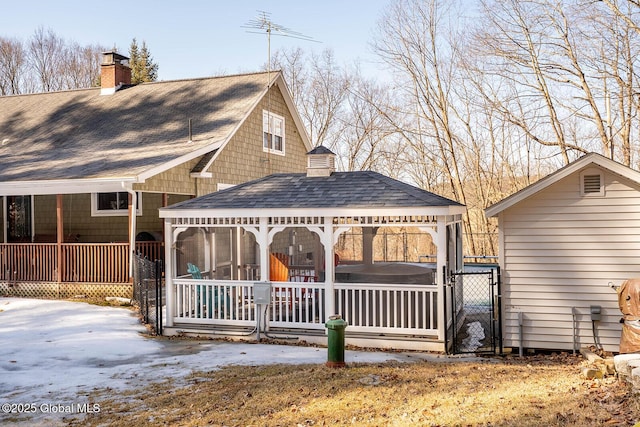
pixel 54 353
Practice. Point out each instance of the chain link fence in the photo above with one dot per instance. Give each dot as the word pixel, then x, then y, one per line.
pixel 476 318
pixel 148 291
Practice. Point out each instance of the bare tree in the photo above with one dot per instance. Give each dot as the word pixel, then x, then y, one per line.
pixel 12 66
pixel 421 43
pixel 81 66
pixel 45 63
pixel 46 53
pixel 368 142
pixel 614 59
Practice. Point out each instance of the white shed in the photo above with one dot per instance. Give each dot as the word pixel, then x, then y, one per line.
pixel 564 241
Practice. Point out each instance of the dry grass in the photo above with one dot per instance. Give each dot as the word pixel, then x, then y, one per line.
pixel 536 391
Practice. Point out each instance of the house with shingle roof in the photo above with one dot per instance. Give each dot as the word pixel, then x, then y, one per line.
pixel 264 257
pixel 84 172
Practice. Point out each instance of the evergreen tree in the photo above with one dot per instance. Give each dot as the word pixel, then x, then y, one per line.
pixel 143 69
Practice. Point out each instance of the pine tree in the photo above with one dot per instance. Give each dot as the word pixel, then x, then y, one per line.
pixel 143 69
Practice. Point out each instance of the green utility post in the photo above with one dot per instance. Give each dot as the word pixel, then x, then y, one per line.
pixel 335 341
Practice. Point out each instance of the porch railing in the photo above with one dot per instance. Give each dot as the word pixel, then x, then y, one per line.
pixel 28 262
pixel 380 308
pixel 373 308
pixel 95 262
pixel 205 301
pixel 80 262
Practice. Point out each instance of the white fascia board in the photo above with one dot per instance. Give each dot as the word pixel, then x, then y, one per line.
pixel 288 99
pixel 323 212
pixel 185 158
pixel 67 186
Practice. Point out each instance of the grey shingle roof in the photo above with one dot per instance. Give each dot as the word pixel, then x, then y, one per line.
pixel 81 134
pixel 363 189
pixel 321 149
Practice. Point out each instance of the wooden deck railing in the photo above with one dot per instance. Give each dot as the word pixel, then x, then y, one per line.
pixel 81 262
pixel 95 262
pixel 28 262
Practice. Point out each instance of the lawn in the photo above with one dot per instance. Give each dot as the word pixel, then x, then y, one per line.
pixel 532 391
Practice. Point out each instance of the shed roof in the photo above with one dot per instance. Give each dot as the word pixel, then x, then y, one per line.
pixel 350 190
pixel 575 166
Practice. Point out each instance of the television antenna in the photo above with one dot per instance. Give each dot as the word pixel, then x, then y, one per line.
pixel 263 24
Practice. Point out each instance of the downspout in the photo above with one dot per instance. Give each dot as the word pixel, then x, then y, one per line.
pixel 132 220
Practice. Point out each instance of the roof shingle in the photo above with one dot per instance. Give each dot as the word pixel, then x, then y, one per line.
pixel 363 189
pixel 81 134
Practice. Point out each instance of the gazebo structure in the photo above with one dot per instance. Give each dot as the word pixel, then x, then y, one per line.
pixel 279 255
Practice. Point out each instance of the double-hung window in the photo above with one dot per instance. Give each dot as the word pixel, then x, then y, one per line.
pixel 113 204
pixel 272 133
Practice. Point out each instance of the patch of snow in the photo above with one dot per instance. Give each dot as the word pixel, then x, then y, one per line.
pixel 475 335
pixel 57 352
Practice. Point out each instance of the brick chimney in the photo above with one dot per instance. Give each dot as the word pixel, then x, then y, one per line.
pixel 114 72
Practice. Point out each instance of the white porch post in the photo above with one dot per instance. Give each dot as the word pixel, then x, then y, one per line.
pixel 169 256
pixel 329 267
pixel 132 209
pixel 441 262
pixel 4 219
pixel 263 243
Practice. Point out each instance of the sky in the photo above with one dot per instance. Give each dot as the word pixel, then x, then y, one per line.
pixel 200 38
pixel 42 341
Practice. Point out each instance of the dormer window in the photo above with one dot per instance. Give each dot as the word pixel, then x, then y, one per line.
pixel 592 183
pixel 272 133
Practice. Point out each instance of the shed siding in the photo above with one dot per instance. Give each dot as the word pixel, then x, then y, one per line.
pixel 560 250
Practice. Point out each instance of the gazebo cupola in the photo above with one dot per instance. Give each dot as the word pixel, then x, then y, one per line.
pixel 321 162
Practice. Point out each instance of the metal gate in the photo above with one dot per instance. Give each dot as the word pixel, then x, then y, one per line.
pixel 473 311
pixel 148 291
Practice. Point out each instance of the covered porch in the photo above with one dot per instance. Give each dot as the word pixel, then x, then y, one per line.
pixel 76 239
pixel 270 258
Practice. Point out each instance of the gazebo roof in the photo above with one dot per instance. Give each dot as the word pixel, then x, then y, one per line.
pixel 341 190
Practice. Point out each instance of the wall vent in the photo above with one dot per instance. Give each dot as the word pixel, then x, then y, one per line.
pixel 592 184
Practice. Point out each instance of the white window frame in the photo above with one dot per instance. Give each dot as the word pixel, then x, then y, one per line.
pixel 273 125
pixel 114 212
pixel 590 172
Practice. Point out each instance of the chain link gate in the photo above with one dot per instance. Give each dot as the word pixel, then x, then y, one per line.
pixel 474 311
pixel 148 290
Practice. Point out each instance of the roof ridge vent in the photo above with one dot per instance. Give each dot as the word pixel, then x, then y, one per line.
pixel 320 162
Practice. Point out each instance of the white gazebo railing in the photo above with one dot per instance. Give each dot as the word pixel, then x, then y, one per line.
pixel 368 308
pixel 228 302
pixel 388 308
